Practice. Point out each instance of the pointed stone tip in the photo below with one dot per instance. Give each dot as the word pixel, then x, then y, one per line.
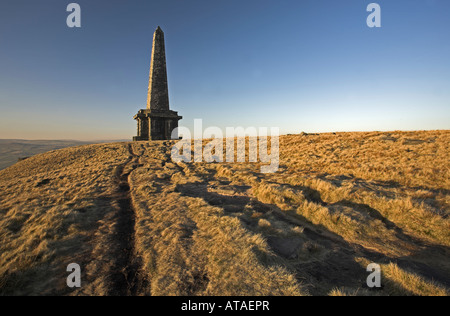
pixel 158 29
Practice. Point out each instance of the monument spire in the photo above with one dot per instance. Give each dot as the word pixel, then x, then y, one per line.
pixel 157 122
pixel 158 93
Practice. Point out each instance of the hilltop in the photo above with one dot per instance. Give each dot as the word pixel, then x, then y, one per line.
pixel 140 224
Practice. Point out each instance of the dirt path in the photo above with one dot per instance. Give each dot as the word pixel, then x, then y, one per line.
pixel 126 276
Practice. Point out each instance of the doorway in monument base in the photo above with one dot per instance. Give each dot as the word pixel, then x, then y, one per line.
pixel 157 129
pixel 143 129
pixel 161 129
pixel 171 125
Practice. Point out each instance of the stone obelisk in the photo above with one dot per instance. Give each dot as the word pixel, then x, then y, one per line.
pixel 157 121
pixel 158 92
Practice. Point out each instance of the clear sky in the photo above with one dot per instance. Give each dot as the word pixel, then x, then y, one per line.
pixel 310 65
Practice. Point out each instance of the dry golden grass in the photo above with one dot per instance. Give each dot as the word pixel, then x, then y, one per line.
pixel 338 202
pixel 51 209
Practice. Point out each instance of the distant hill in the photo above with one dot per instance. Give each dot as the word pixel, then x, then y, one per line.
pixel 11 150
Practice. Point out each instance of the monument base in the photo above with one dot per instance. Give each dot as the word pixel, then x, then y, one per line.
pixel 156 125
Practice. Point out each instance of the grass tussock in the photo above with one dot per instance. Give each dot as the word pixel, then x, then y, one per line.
pixel 400 282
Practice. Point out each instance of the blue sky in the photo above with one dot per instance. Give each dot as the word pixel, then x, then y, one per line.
pixel 310 65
